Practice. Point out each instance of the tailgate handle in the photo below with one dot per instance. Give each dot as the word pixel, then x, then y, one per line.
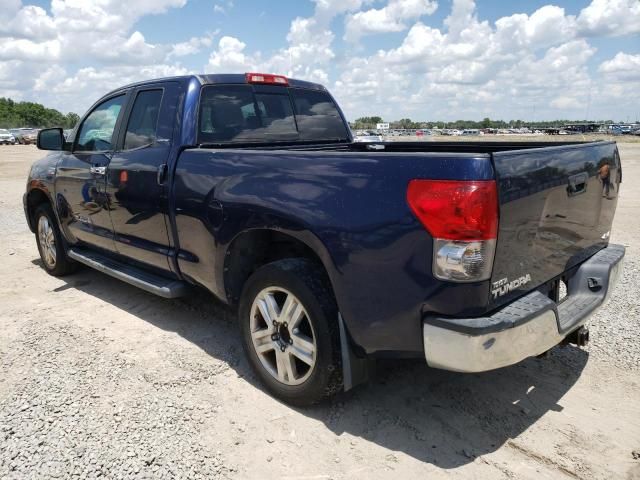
pixel 577 184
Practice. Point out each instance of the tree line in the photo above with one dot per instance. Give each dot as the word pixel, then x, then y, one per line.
pixel 29 114
pixel 407 123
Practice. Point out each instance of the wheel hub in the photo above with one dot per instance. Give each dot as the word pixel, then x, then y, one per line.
pixel 281 336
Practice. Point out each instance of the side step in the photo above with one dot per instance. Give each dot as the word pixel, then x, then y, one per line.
pixel 161 286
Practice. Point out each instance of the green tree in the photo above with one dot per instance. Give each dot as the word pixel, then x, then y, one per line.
pixel 71 119
pixel 30 114
pixel 366 122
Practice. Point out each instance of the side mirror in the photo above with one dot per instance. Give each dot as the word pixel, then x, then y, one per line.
pixel 50 139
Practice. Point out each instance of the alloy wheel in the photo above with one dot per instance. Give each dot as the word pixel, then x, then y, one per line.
pixel 283 336
pixel 47 240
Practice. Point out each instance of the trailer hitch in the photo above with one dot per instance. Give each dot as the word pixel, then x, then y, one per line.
pixel 579 337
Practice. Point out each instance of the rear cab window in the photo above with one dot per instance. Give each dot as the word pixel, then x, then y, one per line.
pixel 267 114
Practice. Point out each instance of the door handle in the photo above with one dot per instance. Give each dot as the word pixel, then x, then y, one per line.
pixel 577 184
pixel 96 170
pixel 162 174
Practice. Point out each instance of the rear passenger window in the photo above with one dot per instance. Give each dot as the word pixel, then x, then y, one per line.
pixel 143 121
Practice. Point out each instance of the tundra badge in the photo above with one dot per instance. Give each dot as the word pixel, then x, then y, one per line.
pixel 504 286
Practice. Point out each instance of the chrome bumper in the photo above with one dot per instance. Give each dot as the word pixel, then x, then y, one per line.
pixel 527 327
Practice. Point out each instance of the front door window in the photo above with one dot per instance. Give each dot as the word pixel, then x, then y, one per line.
pixel 96 132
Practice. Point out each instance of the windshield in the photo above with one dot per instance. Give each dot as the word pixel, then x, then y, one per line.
pixel 242 114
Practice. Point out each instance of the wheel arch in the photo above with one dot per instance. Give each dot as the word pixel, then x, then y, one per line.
pixel 34 198
pixel 251 249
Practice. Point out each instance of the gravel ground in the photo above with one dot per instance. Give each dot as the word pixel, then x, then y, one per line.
pixel 99 379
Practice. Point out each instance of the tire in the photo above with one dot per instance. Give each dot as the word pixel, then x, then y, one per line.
pixel 309 346
pixel 50 243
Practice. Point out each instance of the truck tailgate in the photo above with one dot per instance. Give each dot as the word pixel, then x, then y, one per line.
pixel 553 213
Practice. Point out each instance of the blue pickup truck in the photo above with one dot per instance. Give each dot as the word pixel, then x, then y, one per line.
pixel 473 256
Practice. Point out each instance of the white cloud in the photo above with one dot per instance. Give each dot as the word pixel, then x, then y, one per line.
pixel 192 46
pixel 223 7
pixel 521 65
pixel 96 35
pixel 29 22
pixel 546 26
pixel 391 18
pixel 565 103
pixel 307 55
pixel 622 67
pixel 78 91
pixel 538 64
pixel 99 30
pixel 230 57
pixel 610 17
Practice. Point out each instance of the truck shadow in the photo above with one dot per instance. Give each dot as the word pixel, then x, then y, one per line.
pixel 449 419
pixel 443 418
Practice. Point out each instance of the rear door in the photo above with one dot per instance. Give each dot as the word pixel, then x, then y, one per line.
pixel 137 173
pixel 554 212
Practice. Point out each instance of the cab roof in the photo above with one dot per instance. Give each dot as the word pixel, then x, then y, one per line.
pixel 218 78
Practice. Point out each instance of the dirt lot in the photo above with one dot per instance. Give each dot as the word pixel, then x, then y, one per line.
pixel 98 378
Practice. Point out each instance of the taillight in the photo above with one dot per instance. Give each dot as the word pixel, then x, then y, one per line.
pixel 462 218
pixel 266 78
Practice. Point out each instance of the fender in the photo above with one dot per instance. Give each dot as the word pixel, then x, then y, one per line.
pixel 306 237
pixel 37 193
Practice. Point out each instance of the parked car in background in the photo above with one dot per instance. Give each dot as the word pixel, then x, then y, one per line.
pixel 25 136
pixel 17 133
pixel 6 137
pixel 367 136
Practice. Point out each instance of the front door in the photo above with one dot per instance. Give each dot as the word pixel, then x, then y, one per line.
pixel 137 173
pixel 80 184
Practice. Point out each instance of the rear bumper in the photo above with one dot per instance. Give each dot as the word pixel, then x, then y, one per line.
pixel 527 327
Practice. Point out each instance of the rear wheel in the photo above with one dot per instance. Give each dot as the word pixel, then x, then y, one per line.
pixel 50 243
pixel 288 318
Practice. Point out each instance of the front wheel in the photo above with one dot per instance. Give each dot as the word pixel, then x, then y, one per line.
pixel 288 318
pixel 50 243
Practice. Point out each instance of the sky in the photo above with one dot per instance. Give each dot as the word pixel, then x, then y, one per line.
pixel 418 59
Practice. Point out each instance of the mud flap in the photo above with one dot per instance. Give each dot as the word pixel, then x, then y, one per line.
pixel 355 370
